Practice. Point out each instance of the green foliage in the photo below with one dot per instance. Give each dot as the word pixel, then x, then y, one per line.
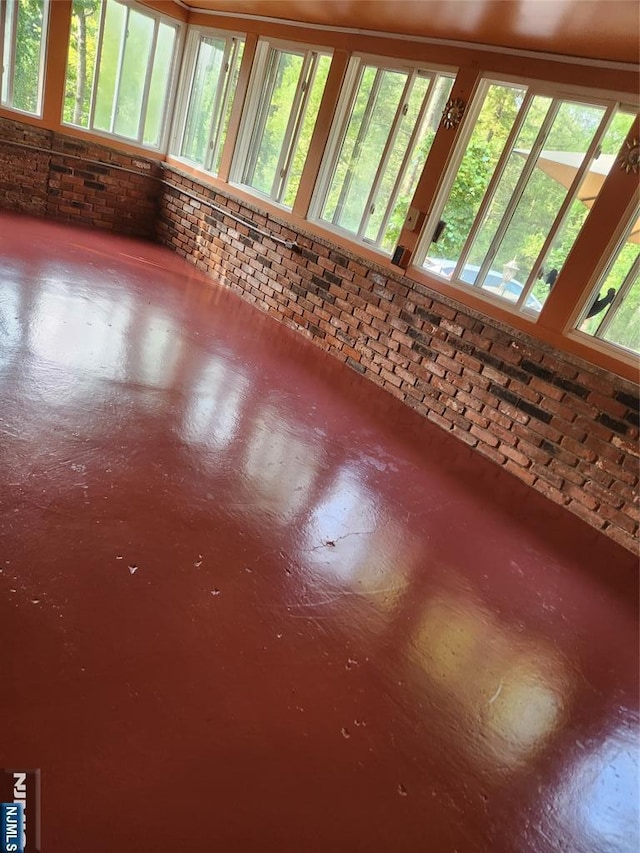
pixel 118 110
pixel 27 54
pixel 81 61
pixel 385 145
pixel 282 129
pixel 301 147
pixel 275 111
pixel 206 80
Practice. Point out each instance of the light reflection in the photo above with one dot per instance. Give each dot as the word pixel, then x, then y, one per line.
pixel 347 515
pixel 599 800
pixel 212 416
pixel 160 349
pixel 391 559
pixel 71 330
pixel 352 541
pixel 10 331
pixel 511 689
pixel 281 467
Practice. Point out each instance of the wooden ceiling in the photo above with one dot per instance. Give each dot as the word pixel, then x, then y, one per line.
pixel 590 29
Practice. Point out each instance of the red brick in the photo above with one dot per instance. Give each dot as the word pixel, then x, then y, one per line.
pixel 551 492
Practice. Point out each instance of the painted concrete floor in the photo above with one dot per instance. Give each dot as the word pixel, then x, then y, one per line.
pixel 249 602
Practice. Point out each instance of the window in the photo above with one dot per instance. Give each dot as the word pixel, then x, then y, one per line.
pixel 387 121
pixel 212 64
pixel 119 70
pixel 612 312
pixel 282 105
pixel 23 36
pixel 529 167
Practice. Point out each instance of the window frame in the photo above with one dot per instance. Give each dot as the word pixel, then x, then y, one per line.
pixel 339 127
pixel 157 18
pixel 233 42
pixel 9 69
pixel 251 119
pixel 612 102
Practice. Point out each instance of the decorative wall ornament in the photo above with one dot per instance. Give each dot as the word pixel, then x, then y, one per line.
pixel 630 159
pixel 453 112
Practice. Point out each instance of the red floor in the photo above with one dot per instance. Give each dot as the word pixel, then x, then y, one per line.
pixel 249 602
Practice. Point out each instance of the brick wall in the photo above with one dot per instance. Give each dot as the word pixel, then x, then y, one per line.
pixel 562 426
pixel 565 428
pixel 68 179
pixel 24 171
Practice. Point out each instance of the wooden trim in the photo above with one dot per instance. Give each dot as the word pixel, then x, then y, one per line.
pixel 167 7
pixel 55 69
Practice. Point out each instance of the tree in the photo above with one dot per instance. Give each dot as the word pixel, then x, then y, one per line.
pixel 82 10
pixel 81 61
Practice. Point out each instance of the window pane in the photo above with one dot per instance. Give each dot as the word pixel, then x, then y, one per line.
pixel 112 40
pixel 612 312
pixel 158 89
pixel 368 130
pixel 624 329
pixel 513 169
pixel 132 54
pixel 391 169
pixel 225 110
pixel 133 75
pixel 572 131
pixel 588 192
pixel 496 118
pixel 24 19
pixel 301 144
pixel 81 61
pixel 7 52
pixel 273 117
pixel 206 80
pixel 407 161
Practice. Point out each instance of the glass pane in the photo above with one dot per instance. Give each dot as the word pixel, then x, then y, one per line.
pixel 113 35
pixel 624 329
pixel 367 76
pixel 273 117
pixel 622 284
pixel 417 96
pixel 7 52
pixel 367 133
pixel 514 166
pixel 304 137
pixel 206 81
pixel 495 121
pixel 160 79
pixel 81 61
pixel 577 214
pixel 133 76
pixel 570 136
pixel 404 186
pixel 26 73
pixel 227 105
